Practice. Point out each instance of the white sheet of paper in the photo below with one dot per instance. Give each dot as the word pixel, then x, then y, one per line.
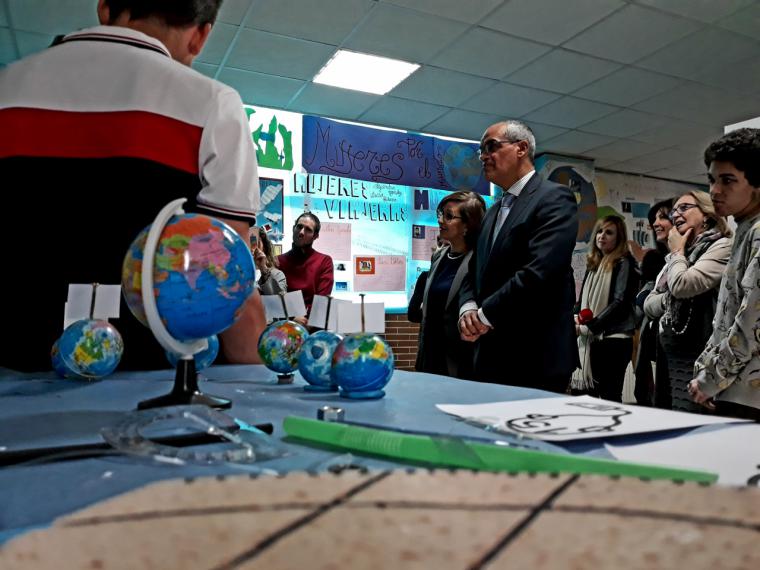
pixel 577 417
pixel 293 303
pixel 349 317
pixel 107 300
pixel 374 317
pixel 78 303
pixel 732 452
pixel 319 313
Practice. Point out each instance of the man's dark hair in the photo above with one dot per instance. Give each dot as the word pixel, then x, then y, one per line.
pixel 742 149
pixel 317 225
pixel 175 13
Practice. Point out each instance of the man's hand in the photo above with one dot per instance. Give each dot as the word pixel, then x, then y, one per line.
pixel 470 326
pixel 301 320
pixel 699 396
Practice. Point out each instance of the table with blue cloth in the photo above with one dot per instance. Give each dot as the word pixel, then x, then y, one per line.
pixel 45 412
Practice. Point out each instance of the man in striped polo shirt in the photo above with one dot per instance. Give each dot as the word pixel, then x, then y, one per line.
pixel 101 131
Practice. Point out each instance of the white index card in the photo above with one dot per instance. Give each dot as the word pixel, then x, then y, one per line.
pixel 374 317
pixel 273 307
pixel 349 318
pixel 78 303
pixel 319 317
pixel 295 304
pixel 107 299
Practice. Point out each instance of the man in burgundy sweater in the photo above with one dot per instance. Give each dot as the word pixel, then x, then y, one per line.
pixel 306 269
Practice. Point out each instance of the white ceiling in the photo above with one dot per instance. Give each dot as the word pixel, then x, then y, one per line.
pixel 640 86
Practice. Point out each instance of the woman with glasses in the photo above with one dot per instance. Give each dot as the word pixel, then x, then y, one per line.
pixel 441 349
pixel 687 288
pixel 605 342
pixel 272 281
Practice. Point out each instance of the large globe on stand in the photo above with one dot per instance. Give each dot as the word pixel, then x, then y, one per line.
pixel 280 345
pixel 202 275
pixel 315 361
pixel 362 365
pixel 88 349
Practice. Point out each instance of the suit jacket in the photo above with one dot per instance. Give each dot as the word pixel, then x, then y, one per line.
pixel 458 354
pixel 523 281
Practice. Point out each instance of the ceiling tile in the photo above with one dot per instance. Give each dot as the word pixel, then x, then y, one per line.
pixel 260 88
pixel 3 19
pixel 629 166
pixel 741 77
pixel 562 71
pixel 31 42
pixel 701 104
pixel 637 31
pixel 667 158
pixel 620 150
pixel 7 46
pixel 627 86
pixel 327 21
pixel 576 142
pixel 233 11
pixel 706 49
pixel 463 124
pixel 682 175
pixel 217 44
pixel 624 123
pixel 332 102
pixel 570 112
pixel 396 32
pixel 544 132
pixel 509 100
pixel 205 68
pixel 677 132
pixel 471 11
pixel 745 21
pixel 488 53
pixel 260 51
pixel 440 86
pixel 705 10
pixel 549 21
pixel 402 113
pixel 37 16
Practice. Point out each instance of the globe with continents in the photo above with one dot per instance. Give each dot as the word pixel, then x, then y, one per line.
pixel 280 345
pixel 88 349
pixel 462 167
pixel 203 359
pixel 315 361
pixel 362 365
pixel 202 275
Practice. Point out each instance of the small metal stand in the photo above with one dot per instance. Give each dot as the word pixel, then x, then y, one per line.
pixel 185 391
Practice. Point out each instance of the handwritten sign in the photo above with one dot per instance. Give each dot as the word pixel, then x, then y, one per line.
pixel 378 155
pixel 336 239
pixel 424 242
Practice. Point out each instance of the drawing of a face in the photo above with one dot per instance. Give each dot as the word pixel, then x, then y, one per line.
pixel 601 418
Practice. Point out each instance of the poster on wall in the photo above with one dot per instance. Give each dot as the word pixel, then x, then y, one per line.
pixel 276 136
pixel 391 157
pixel 269 215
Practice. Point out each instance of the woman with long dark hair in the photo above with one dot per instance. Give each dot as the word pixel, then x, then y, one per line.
pixel 605 342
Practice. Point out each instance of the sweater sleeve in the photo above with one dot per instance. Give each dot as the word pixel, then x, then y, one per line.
pixel 686 281
pixel 324 279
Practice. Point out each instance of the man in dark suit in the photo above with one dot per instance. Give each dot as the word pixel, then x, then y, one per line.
pixel 517 302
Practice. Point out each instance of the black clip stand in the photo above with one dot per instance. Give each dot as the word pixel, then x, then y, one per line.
pixel 185 391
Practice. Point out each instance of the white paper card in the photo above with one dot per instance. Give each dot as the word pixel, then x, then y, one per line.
pixel 78 303
pixel 374 317
pixel 293 303
pixel 318 315
pixel 582 417
pixel 349 317
pixel 107 300
pixel 731 452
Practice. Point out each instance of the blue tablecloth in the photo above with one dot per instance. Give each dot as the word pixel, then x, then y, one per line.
pixel 43 411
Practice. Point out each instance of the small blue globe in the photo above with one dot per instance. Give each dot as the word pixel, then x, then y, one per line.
pixel 362 366
pixel 203 359
pixel 280 345
pixel 88 349
pixel 315 361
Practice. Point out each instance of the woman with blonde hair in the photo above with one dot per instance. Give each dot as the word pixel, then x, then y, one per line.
pixel 605 341
pixel 272 280
pixel 686 292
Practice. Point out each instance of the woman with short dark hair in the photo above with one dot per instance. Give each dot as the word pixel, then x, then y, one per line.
pixel 441 349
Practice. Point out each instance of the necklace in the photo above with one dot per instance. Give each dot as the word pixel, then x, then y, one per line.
pixel 448 254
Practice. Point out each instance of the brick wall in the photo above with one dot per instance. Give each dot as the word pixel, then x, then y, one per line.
pixel 402 336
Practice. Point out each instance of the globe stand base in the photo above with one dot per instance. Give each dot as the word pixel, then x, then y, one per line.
pixel 185 391
pixel 318 388
pixel 285 378
pixel 362 395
